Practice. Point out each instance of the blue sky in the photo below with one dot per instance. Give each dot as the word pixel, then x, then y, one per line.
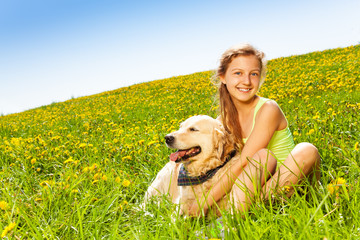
pixel 53 50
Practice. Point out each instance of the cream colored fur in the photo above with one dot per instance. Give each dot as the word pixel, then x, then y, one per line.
pixel 215 143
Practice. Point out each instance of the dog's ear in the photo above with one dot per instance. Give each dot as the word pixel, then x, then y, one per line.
pixel 219 138
pixel 228 143
pixel 219 134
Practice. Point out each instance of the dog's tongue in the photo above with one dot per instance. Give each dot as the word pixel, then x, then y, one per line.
pixel 179 154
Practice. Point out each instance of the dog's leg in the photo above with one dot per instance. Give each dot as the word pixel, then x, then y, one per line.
pixel 164 183
pixel 174 190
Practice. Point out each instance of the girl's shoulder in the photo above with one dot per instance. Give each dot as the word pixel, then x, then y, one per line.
pixel 269 108
pixel 268 104
pixel 271 113
pixel 271 103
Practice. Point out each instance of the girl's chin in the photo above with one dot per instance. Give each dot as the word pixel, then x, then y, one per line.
pixel 248 94
pixel 243 96
pixel 245 99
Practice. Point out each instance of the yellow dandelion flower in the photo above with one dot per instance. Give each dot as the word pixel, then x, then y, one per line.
pixel 15 141
pixel 3 205
pixel 46 183
pixel 86 126
pixel 152 142
pixel 311 131
pixel 286 189
pixel 334 186
pixel 8 229
pixel 117 179
pixel 330 188
pixel 356 146
pixel 69 160
pixel 33 161
pixel 126 158
pixel 126 183
pixel 104 177
pixel 340 181
pixel 82 145
pixel 93 167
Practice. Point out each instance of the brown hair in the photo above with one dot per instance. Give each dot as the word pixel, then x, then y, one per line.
pixel 228 111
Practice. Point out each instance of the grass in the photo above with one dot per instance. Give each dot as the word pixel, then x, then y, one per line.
pixel 79 169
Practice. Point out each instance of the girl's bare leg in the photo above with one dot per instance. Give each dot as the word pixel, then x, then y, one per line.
pixel 302 162
pixel 252 178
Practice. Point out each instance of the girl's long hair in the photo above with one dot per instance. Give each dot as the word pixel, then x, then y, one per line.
pixel 228 111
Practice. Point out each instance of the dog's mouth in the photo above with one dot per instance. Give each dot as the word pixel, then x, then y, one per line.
pixel 182 155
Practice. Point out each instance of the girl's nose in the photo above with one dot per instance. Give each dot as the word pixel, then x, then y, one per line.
pixel 247 79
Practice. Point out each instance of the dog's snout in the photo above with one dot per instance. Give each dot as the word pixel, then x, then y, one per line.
pixel 169 139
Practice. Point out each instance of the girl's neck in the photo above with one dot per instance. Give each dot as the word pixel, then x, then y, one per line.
pixel 244 108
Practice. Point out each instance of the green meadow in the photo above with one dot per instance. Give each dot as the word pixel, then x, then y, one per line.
pixel 79 169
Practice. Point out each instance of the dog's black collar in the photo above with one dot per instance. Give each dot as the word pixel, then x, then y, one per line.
pixel 185 180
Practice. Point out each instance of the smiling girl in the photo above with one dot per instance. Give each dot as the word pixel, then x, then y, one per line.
pixel 270 161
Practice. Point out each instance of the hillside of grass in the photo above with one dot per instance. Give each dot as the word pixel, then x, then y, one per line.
pixel 78 169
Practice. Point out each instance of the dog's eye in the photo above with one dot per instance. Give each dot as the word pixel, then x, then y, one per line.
pixel 193 129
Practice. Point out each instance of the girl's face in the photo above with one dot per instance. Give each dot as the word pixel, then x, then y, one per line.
pixel 242 78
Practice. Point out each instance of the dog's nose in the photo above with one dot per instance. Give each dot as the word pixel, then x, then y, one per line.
pixel 169 139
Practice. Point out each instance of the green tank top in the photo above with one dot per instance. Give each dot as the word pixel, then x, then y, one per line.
pixel 282 141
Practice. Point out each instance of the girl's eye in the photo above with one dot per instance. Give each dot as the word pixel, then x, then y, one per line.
pixel 238 73
pixel 255 74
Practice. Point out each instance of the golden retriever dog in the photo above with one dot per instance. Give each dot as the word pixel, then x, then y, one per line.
pixel 204 152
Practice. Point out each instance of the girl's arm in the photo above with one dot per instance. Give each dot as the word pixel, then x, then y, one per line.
pixel 267 122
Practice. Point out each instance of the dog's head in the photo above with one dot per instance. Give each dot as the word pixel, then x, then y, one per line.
pixel 199 138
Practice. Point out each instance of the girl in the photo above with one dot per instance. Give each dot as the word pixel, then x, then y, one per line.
pixel 261 132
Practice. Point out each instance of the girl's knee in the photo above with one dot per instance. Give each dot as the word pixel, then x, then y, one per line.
pixel 306 156
pixel 307 152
